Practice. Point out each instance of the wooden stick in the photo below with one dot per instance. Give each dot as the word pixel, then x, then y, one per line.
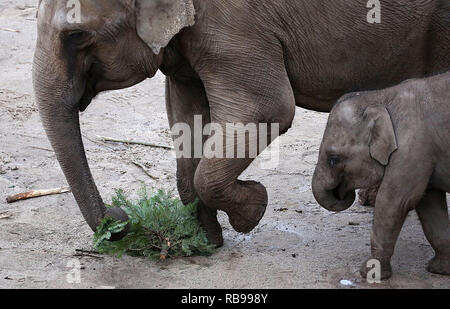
pixel 142 167
pixel 41 148
pixel 86 251
pixel 128 142
pixel 5 215
pixel 9 30
pixel 88 255
pixel 35 193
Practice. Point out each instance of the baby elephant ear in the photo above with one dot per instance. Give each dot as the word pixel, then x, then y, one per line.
pixel 382 140
pixel 158 21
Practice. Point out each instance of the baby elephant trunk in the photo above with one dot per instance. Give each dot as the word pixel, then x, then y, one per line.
pixel 332 196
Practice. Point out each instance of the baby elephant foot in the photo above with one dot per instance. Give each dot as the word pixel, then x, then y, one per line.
pixel 251 209
pixel 440 265
pixel 372 271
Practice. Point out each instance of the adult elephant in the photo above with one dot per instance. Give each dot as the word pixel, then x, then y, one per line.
pixel 232 61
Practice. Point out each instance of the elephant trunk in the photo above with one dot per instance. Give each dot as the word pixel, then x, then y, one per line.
pixel 58 102
pixel 331 194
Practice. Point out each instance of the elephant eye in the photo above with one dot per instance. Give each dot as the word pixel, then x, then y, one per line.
pixel 74 35
pixel 333 160
pixel 77 37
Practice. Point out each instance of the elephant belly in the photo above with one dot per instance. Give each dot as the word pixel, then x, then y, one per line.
pixel 334 53
pixel 319 103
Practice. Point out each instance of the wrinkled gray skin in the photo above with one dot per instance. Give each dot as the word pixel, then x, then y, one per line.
pixel 397 138
pixel 243 61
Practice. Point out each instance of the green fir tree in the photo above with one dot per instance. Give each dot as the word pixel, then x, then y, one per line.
pixel 160 227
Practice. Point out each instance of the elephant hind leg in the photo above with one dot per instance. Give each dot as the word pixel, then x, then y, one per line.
pixel 433 214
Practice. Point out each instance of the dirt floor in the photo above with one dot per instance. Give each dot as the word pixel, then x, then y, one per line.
pixel 302 246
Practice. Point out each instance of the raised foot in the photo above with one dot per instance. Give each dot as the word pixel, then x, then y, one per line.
pixel 247 216
pixel 385 271
pixel 440 265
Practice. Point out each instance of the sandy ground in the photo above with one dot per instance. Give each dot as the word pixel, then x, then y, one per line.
pixel 304 246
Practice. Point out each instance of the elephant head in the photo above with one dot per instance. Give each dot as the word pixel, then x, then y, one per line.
pixel 85 47
pixel 358 142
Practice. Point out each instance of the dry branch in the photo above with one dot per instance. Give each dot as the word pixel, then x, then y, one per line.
pixel 142 167
pixel 35 193
pixel 9 30
pixel 5 215
pixel 87 253
pixel 129 142
pixel 41 148
pixel 80 255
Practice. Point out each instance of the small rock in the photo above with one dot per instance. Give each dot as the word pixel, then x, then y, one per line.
pixel 282 209
pixel 346 282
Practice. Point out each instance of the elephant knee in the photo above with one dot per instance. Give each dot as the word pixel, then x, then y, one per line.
pixel 208 190
pixel 285 118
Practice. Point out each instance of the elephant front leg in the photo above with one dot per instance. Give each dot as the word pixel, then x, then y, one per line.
pixel 387 223
pixel 245 202
pixel 207 216
pixel 396 197
pixel 433 214
pixel 185 100
pixel 249 109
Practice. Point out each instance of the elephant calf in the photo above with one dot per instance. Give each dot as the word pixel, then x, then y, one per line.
pixel 399 139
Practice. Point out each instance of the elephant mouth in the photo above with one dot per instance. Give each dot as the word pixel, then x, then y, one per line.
pixel 338 199
pixel 90 89
pixel 341 192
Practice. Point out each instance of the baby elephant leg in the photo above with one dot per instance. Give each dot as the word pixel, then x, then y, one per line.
pixel 389 216
pixel 433 214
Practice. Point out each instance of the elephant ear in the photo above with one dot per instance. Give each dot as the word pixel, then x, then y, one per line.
pixel 158 21
pixel 382 140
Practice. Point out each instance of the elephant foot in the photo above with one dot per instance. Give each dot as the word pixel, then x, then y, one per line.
pixel 247 216
pixel 209 223
pixel 440 265
pixel 367 197
pixel 370 272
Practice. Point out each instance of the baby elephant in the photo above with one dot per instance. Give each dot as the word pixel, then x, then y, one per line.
pixel 397 139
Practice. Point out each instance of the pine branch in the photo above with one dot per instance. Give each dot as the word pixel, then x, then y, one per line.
pixel 161 227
